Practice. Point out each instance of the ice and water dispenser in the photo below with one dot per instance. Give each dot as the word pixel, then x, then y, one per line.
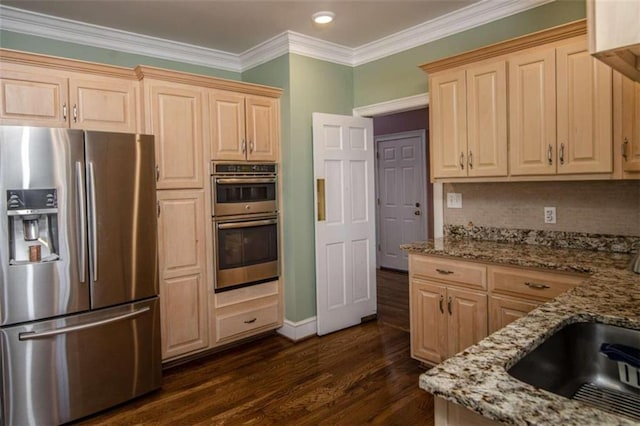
pixel 33 225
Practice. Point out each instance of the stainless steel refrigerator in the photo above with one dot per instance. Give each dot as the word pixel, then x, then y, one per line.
pixel 79 314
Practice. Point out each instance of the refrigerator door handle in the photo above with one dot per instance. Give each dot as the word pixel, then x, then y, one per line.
pixel 31 335
pixel 93 223
pixel 82 225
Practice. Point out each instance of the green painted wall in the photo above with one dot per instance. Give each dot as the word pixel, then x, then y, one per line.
pixel 316 86
pixel 277 73
pixel 28 43
pixel 398 76
pixel 310 85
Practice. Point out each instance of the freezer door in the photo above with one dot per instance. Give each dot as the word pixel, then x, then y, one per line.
pixel 52 161
pixel 60 370
pixel 122 217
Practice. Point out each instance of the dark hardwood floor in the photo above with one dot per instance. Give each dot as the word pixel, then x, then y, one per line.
pixel 361 375
pixel 393 298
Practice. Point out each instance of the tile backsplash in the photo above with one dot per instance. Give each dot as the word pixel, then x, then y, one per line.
pixel 596 207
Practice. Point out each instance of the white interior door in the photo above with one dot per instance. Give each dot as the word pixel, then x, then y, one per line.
pixel 401 194
pixel 343 159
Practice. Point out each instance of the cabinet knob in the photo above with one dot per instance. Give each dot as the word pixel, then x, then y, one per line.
pixel 440 302
pixel 624 148
pixel 561 153
pixel 64 111
pixel 244 146
pixel 252 320
pixel 550 155
pixel 470 160
pixel 462 161
pixel 75 113
pixel 449 305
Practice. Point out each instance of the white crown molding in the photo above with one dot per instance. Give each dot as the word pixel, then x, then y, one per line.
pixel 292 42
pixel 460 20
pixel 485 11
pixel 394 106
pixel 37 24
pixel 298 330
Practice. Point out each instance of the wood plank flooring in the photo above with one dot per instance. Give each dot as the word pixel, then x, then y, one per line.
pixel 393 298
pixel 361 375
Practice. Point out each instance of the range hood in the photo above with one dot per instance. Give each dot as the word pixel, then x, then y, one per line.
pixel 614 34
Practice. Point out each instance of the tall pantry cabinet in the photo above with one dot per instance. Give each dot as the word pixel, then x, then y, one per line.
pixel 174 115
pixel 197 119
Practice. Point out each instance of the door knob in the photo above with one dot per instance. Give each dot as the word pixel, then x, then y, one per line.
pixel 417 212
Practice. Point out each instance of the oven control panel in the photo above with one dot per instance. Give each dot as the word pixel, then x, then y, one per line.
pixel 243 168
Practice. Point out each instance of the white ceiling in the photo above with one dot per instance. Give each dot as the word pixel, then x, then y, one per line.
pixel 236 26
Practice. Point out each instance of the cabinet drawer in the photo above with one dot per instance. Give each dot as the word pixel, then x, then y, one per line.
pixel 530 284
pixel 244 320
pixel 450 271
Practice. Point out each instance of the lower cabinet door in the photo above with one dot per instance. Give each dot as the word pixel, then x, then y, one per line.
pixel 183 283
pixel 504 310
pixel 467 319
pixel 428 322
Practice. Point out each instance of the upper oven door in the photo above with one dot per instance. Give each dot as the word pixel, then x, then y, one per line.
pixel 242 195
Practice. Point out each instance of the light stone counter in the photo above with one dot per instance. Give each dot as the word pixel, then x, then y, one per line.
pixel 477 378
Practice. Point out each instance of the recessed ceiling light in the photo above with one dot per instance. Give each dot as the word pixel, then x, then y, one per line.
pixel 323 17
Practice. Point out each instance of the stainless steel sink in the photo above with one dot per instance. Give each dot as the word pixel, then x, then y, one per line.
pixel 569 363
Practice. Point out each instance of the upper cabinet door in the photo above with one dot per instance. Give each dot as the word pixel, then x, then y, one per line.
pixel 262 128
pixel 227 123
pixel 584 95
pixel 32 97
pixel 103 103
pixel 532 112
pixel 631 139
pixel 448 124
pixel 487 119
pixel 175 118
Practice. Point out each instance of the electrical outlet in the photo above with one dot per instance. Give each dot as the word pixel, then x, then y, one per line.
pixel 454 200
pixel 549 215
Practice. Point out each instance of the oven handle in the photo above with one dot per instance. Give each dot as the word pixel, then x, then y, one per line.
pixel 236 225
pixel 227 181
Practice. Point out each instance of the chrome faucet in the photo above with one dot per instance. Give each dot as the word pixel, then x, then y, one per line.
pixel 635 263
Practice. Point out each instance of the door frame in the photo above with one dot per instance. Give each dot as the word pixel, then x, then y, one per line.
pixel 388 137
pixel 407 104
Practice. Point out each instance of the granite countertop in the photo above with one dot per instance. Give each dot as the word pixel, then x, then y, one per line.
pixel 477 378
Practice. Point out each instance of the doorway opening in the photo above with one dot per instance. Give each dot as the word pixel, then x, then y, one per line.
pixel 404 197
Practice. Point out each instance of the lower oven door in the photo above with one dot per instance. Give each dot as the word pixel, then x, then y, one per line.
pixel 246 251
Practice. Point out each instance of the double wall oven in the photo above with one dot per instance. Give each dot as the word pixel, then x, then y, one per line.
pixel 245 224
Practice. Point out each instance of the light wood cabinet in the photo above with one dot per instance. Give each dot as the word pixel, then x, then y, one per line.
pixel 175 118
pixel 584 105
pixel 626 127
pixel 448 127
pixel 560 102
pixel 555 100
pixel 183 273
pixel 246 311
pixel 532 113
pixel 455 303
pixel 504 310
pixel 445 317
pixel 243 127
pixel 469 121
pixel 514 292
pixel 38 96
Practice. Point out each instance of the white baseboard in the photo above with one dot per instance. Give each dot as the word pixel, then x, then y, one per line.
pixel 298 330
